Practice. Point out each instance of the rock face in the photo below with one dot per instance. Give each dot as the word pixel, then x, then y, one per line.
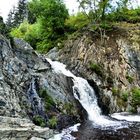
pixel 111 62
pixel 30 91
pixel 22 129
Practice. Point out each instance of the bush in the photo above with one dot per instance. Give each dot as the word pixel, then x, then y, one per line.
pixel 135 96
pixel 130 79
pixel 38 120
pixel 28 32
pixel 49 103
pixel 97 68
pixel 124 96
pixel 78 21
pixel 53 122
pixel 115 91
pixel 128 15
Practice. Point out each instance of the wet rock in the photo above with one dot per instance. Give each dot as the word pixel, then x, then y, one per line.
pixel 53 54
pixel 24 76
pixel 22 129
pixel 114 66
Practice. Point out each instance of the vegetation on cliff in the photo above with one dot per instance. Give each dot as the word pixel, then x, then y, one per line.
pixel 46 24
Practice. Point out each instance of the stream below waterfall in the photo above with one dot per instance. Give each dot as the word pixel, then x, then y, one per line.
pixel 118 126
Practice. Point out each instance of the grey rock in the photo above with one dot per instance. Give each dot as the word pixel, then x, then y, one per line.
pixel 118 58
pixel 23 74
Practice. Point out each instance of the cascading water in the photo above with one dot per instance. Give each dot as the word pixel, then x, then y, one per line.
pixel 84 93
pixel 86 96
pixel 35 100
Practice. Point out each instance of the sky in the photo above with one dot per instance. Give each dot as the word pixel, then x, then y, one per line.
pixel 6 5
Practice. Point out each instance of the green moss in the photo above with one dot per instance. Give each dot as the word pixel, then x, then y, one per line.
pixel 130 79
pixel 97 68
pixel 48 100
pixel 115 91
pixel 136 96
pixel 53 122
pixel 38 120
pixel 68 108
pixel 78 21
pixel 124 96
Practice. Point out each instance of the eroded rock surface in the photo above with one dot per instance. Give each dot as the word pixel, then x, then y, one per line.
pixel 31 91
pixel 111 62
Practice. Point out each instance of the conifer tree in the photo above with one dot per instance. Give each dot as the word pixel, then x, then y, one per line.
pixel 17 15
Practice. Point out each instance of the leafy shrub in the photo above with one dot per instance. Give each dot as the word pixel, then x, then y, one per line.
pixel 135 96
pixel 97 69
pixel 130 79
pixel 68 108
pixel 124 96
pixel 49 103
pixel 38 120
pixel 128 15
pixel 115 91
pixel 28 32
pixel 53 122
pixel 77 21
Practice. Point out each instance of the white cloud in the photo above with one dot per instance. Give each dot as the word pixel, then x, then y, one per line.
pixel 5 6
pixel 72 5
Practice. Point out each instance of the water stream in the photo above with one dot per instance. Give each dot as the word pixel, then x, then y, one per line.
pixel 35 101
pixel 84 93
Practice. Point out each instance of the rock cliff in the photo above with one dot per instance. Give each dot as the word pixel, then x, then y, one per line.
pixel 111 63
pixel 30 92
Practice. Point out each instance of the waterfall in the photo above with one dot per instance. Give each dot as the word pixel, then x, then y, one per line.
pixel 36 102
pixel 84 93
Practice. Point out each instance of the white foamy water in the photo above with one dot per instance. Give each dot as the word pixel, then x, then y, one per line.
pixel 66 133
pixel 86 96
pixel 130 118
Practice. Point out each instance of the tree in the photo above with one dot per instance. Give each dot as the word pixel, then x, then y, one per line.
pixel 96 9
pixel 17 14
pixel 21 11
pixel 51 14
pixel 10 19
pixel 3 28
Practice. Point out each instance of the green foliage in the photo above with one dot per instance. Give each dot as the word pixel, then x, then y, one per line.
pixel 38 120
pixel 4 30
pixel 97 68
pixel 68 108
pixel 125 96
pixel 53 122
pixel 105 26
pixel 2 26
pixel 77 21
pixel 28 32
pixel 98 9
pixel 17 14
pixel 115 91
pixel 128 15
pixel 130 79
pixel 51 15
pixel 135 96
pixel 48 28
pixel 49 103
